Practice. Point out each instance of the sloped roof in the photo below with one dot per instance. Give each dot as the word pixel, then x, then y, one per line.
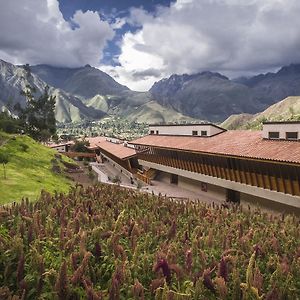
pixel 118 150
pixel 94 141
pixel 242 143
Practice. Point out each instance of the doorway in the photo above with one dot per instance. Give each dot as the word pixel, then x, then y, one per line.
pixel 174 179
pixel 233 196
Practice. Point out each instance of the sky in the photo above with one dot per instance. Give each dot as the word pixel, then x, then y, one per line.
pixel 139 42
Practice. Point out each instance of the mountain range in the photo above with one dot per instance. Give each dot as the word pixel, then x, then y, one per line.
pixel 88 93
pixel 287 109
pixel 82 93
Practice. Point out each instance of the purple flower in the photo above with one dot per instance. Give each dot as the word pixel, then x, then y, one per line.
pixel 164 266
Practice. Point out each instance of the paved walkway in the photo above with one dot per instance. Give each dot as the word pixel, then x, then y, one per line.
pixel 173 191
pixel 106 172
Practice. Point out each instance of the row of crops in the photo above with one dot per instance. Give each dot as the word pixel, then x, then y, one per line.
pixel 105 242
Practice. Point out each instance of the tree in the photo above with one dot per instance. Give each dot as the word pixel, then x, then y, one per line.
pixel 4 160
pixel 8 123
pixel 80 146
pixel 38 117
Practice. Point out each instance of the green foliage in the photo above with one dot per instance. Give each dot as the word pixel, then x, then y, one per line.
pixel 80 146
pixel 38 117
pixel 106 242
pixel 9 124
pixel 116 179
pixel 29 169
pixel 4 159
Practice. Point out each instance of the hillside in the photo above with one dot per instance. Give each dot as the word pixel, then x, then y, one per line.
pixel 287 109
pixel 98 91
pixel 87 93
pixel 236 121
pixel 272 87
pixel 106 242
pixel 13 79
pixel 206 96
pixel 214 97
pixel 29 169
pixel 86 82
pixel 152 113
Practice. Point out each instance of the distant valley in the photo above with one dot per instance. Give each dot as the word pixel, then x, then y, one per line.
pixel 86 93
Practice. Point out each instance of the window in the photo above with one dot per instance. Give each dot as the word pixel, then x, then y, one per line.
pixel 291 135
pixel 203 133
pixel 174 179
pixel 151 131
pixel 156 131
pixel 232 196
pixel 273 135
pixel 194 132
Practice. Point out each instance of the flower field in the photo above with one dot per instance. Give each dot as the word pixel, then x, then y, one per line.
pixel 105 242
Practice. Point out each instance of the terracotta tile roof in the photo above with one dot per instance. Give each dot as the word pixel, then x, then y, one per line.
pixel 241 143
pixel 118 150
pixel 94 141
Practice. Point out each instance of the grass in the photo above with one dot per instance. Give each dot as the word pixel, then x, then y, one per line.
pixel 28 170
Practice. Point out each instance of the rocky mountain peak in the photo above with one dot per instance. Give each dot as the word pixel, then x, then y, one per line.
pixel 292 69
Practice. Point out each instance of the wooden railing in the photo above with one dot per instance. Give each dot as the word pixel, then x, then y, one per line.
pixel 143 177
pixel 243 172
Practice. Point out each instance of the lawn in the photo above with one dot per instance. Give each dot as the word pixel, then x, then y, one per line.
pixel 29 170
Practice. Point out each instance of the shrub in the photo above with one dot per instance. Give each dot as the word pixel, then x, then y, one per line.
pixel 116 179
pixel 4 159
pixel 24 147
pixel 106 242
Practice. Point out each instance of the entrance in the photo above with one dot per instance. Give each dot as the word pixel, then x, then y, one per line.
pixel 174 179
pixel 233 196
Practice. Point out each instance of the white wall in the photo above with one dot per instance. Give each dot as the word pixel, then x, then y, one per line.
pixel 212 191
pixel 281 128
pixel 164 177
pixel 60 149
pixel 118 167
pixel 114 140
pixel 185 129
pixel 266 205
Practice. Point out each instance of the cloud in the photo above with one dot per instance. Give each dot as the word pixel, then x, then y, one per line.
pixel 132 61
pixel 230 36
pixel 142 75
pixel 36 32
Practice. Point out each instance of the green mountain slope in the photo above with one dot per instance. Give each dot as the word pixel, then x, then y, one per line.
pixel 153 112
pixel 287 109
pixel 13 79
pixel 29 169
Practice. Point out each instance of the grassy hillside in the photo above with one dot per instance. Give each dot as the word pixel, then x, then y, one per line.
pixel 286 110
pixel 152 112
pixel 106 242
pixel 29 169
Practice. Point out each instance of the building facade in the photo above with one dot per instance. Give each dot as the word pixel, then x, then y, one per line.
pixel 238 166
